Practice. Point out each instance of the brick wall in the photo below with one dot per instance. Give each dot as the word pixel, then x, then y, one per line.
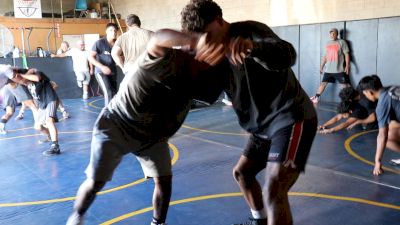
pixel 157 14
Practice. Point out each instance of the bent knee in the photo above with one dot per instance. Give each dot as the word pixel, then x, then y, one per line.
pixel 279 178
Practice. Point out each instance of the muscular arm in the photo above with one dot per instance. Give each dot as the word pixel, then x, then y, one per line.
pixel 347 59
pixel 380 149
pixel 31 77
pixel 333 120
pixel 370 119
pixel 267 47
pixel 165 39
pixel 321 69
pixel 118 56
pixel 92 59
pixel 341 126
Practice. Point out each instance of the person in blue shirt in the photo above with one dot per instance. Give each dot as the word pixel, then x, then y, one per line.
pixel 387 114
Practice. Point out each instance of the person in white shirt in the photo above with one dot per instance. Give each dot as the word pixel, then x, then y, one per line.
pixel 82 68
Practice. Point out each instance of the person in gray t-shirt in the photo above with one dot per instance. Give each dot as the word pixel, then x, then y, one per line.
pixel 150 106
pixel 387 114
pixel 336 61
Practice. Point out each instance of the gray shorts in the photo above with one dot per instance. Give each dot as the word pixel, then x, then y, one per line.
pixel 20 92
pixel 110 142
pixel 82 77
pixel 8 98
pixel 49 112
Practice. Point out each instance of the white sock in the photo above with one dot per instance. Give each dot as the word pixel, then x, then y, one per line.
pixel 2 126
pixel 259 214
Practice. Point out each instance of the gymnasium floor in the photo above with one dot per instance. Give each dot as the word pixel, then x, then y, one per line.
pixel 338 187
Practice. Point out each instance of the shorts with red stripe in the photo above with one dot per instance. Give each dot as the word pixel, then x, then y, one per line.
pixel 290 145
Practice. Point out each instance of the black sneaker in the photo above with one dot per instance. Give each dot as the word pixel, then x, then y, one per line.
pixel 54 150
pixel 253 222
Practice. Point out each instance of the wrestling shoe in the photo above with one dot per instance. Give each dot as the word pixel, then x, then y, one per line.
pixel 54 150
pixel 20 116
pixel 75 219
pixel 65 114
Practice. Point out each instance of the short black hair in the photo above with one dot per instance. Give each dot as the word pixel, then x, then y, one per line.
pixel 372 82
pixel 132 19
pixel 348 94
pixel 197 14
pixel 345 106
pixel 111 25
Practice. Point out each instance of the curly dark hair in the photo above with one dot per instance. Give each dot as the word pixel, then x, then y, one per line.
pixel 197 14
pixel 345 106
pixel 348 94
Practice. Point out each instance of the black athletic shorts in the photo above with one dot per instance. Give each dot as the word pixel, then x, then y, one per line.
pixel 342 78
pixel 290 145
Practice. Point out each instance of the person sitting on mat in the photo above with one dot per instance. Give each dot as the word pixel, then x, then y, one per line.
pixel 355 108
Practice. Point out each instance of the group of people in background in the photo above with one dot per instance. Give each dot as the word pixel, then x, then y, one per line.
pixel 33 89
pixel 166 69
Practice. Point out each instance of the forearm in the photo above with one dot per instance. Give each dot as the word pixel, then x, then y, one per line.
pixel 370 119
pixel 347 59
pixel 332 121
pixel 166 38
pixel 323 63
pixel 117 56
pixel 94 62
pixel 340 126
pixel 61 55
pixel 31 77
pixel 119 61
pixel 381 144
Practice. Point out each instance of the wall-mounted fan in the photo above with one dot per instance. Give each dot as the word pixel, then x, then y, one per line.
pixel 6 41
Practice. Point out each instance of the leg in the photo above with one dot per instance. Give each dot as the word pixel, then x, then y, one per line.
pixel 245 173
pixel 105 156
pixel 52 129
pixel 31 105
pixel 104 84
pixel 85 91
pixel 9 103
pixel 161 198
pixel 20 115
pixel 5 118
pixel 84 198
pixel 252 161
pixel 393 141
pixel 62 109
pixel 321 88
pixel 278 180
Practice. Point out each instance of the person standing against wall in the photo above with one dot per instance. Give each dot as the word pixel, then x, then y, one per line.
pixel 100 57
pixel 336 62
pixel 131 44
